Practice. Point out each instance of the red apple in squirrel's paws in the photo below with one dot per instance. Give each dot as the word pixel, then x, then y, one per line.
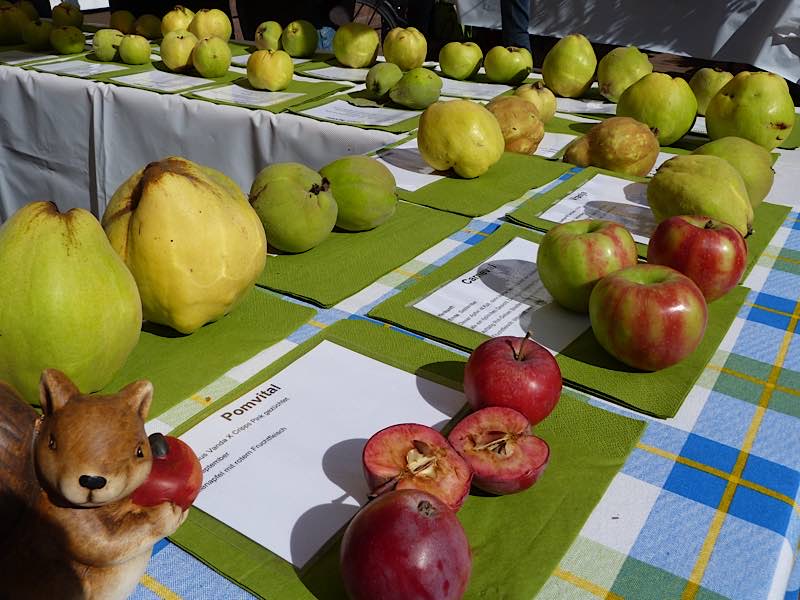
pixel 412 456
pixel 710 253
pixel 498 444
pixel 405 544
pixel 514 372
pixel 176 475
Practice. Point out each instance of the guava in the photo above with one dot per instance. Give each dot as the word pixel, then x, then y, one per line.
pixel 755 106
pixel 356 45
pixel 268 36
pixel 381 78
pixel 211 22
pixel 509 65
pixel 148 26
pixel 176 50
pixel 67 301
pixel 705 84
pixel 460 134
pixel 460 60
pixel 67 14
pixel 568 69
pixel 542 98
pixel 664 103
pixel 406 48
pixel 299 39
pixel 520 123
pixel 122 20
pixel 417 89
pixel 12 22
pixel 105 44
pixel 211 57
pixel 67 39
pixel 618 144
pixel 270 70
pixel 36 34
pixel 28 8
pixel 621 68
pixel 364 189
pixel 178 19
pixel 134 49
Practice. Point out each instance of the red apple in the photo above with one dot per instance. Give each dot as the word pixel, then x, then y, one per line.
pixel 514 372
pixel 648 316
pixel 498 443
pixel 710 253
pixel 411 456
pixel 574 256
pixel 176 475
pixel 405 545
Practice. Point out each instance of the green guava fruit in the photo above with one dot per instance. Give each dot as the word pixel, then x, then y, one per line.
pixel 753 162
pixel 192 241
pixel 381 78
pixel 697 184
pixel 268 36
pixel 417 89
pixel 122 20
pixel 460 60
pixel 365 192
pixel 148 26
pixel 178 19
pixel 356 45
pixel 295 205
pixel 176 50
pixel 509 65
pixel 618 144
pixel 569 67
pixel 705 84
pixel 134 49
pixel 460 134
pixel 300 39
pixel 12 21
pixel 211 22
pixel 271 70
pixel 67 301
pixel 406 48
pixel 755 106
pixel 621 68
pixel 67 39
pixel 211 57
pixel 661 102
pixel 67 14
pixel 36 34
pixel 542 98
pixel 105 44
pixel 28 8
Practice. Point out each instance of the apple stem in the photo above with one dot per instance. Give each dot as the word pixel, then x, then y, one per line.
pixel 520 355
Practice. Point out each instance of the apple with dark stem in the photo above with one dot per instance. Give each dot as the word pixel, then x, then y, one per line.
pixel 405 544
pixel 498 443
pixel 514 372
pixel 412 456
pixel 510 65
pixel 711 253
pixel 648 316
pixel 176 475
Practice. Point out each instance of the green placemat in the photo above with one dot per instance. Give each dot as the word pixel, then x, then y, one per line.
pixel 516 540
pixel 583 363
pixel 767 219
pixel 180 365
pixel 347 262
pixel 363 104
pixel 506 180
pixel 309 91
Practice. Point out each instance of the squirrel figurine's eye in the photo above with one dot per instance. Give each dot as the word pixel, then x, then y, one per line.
pixel 139 452
pixel 52 442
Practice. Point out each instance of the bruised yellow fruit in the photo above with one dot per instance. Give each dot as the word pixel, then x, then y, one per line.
pixel 191 239
pixel 520 123
pixel 618 144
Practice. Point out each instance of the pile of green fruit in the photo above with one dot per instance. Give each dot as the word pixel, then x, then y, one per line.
pixel 20 23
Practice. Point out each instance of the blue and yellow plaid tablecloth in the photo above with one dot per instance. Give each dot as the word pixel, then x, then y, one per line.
pixel 707 506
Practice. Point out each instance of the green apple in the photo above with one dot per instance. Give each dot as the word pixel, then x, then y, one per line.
pixel 295 206
pixel 541 97
pixel 211 22
pixel 270 70
pixel 299 39
pixel 574 256
pixel 134 49
pixel 28 8
pixel 705 84
pixel 37 34
pixel 509 65
pixel 460 60
pixel 67 39
pixel 268 36
pixel 12 22
pixel 406 48
pixel 67 14
pixel 356 45
pixel 176 50
pixel 178 19
pixel 148 26
pixel 211 57
pixel 365 192
pixel 105 44
pixel 122 20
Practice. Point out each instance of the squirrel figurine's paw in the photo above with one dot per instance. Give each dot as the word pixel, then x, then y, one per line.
pixel 170 517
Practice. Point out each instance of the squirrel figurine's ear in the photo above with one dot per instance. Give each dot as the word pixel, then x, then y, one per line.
pixel 55 390
pixel 138 395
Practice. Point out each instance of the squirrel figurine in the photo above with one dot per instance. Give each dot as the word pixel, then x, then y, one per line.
pixel 69 528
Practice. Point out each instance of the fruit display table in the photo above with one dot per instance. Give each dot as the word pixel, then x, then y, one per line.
pixel 46 152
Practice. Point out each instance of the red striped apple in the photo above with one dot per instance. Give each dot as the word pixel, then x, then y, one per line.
pixel 710 253
pixel 648 316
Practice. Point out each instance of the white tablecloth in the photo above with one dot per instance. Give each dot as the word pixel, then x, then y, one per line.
pixel 764 33
pixel 75 141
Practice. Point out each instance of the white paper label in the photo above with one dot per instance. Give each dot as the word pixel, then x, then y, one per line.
pixel 79 68
pixel 472 89
pixel 570 105
pixel 610 198
pixel 344 112
pixel 504 296
pixel 17 57
pixel 282 464
pixel 339 73
pixel 239 95
pixel 553 143
pixel 160 80
pixel 699 126
pixel 410 170
pixel 660 160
